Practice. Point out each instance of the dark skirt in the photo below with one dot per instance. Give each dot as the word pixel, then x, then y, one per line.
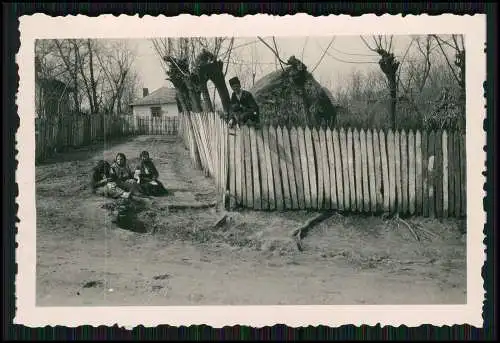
pixel 150 188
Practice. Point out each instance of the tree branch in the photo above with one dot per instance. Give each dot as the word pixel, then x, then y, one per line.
pixel 322 56
pixel 446 42
pixel 277 53
pixel 367 45
pixel 457 48
pixel 303 49
pixel 462 41
pixel 404 57
pixel 230 49
pixel 447 60
pixel 160 53
pixel 274 52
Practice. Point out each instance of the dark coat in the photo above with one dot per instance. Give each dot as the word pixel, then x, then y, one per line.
pixel 147 171
pixel 245 109
pixel 120 174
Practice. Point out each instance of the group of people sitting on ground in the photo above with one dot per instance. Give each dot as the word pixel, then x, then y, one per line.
pixel 118 181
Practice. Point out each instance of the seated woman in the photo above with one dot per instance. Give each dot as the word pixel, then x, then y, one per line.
pixel 124 214
pixel 101 182
pixel 122 175
pixel 147 176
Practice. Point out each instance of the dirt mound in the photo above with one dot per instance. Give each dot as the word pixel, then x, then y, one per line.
pixel 239 234
pixel 263 232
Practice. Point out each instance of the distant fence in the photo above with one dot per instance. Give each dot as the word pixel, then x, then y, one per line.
pixel 157 126
pixel 77 131
pixel 406 172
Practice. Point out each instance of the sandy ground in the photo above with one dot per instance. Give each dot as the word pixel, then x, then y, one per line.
pixel 84 259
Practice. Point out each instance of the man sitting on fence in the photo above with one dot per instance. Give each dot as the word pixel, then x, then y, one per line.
pixel 244 109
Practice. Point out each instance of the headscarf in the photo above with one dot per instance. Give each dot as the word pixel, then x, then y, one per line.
pixel 234 81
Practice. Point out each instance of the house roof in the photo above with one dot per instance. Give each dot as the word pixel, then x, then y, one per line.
pixel 163 95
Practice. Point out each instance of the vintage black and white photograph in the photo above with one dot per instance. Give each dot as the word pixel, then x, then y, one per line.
pixel 266 169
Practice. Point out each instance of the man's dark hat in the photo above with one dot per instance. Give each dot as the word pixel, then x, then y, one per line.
pixel 234 81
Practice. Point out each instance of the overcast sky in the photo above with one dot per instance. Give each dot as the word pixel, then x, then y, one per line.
pixel 345 55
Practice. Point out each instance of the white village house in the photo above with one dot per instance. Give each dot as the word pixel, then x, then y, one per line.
pixel 159 104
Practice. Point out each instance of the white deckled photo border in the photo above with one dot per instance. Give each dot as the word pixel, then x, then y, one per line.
pixel 41 26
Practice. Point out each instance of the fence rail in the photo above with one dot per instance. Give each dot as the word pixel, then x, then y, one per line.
pixel 276 168
pixel 76 131
pixel 157 126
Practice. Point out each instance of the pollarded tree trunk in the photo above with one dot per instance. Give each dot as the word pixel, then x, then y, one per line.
pixel 394 94
pixel 207 102
pixel 182 95
pixel 93 81
pixel 194 94
pixel 390 66
pixel 181 103
pixel 187 90
pixel 220 84
pixel 181 92
pixel 213 71
pixel 207 67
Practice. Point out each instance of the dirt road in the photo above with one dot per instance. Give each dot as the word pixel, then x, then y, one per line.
pixel 84 259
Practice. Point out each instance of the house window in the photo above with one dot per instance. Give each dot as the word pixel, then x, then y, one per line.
pixel 155 112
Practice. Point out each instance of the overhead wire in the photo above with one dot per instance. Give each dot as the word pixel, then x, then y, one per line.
pixel 322 56
pixel 344 61
pixel 353 54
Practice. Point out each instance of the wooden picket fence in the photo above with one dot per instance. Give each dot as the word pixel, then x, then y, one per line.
pixel 372 171
pixel 158 126
pixel 76 131
pixel 205 136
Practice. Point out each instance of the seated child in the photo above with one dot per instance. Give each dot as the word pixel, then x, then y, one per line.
pixel 101 182
pixel 147 175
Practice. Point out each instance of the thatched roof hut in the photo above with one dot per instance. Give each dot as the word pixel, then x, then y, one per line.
pixel 293 97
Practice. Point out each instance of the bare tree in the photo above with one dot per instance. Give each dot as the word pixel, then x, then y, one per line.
pixel 275 52
pixel 165 48
pixel 48 66
pixel 189 64
pixel 47 62
pixel 94 72
pixel 130 90
pixel 389 66
pixel 68 52
pixel 417 71
pixel 116 65
pixel 87 67
pixel 457 69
